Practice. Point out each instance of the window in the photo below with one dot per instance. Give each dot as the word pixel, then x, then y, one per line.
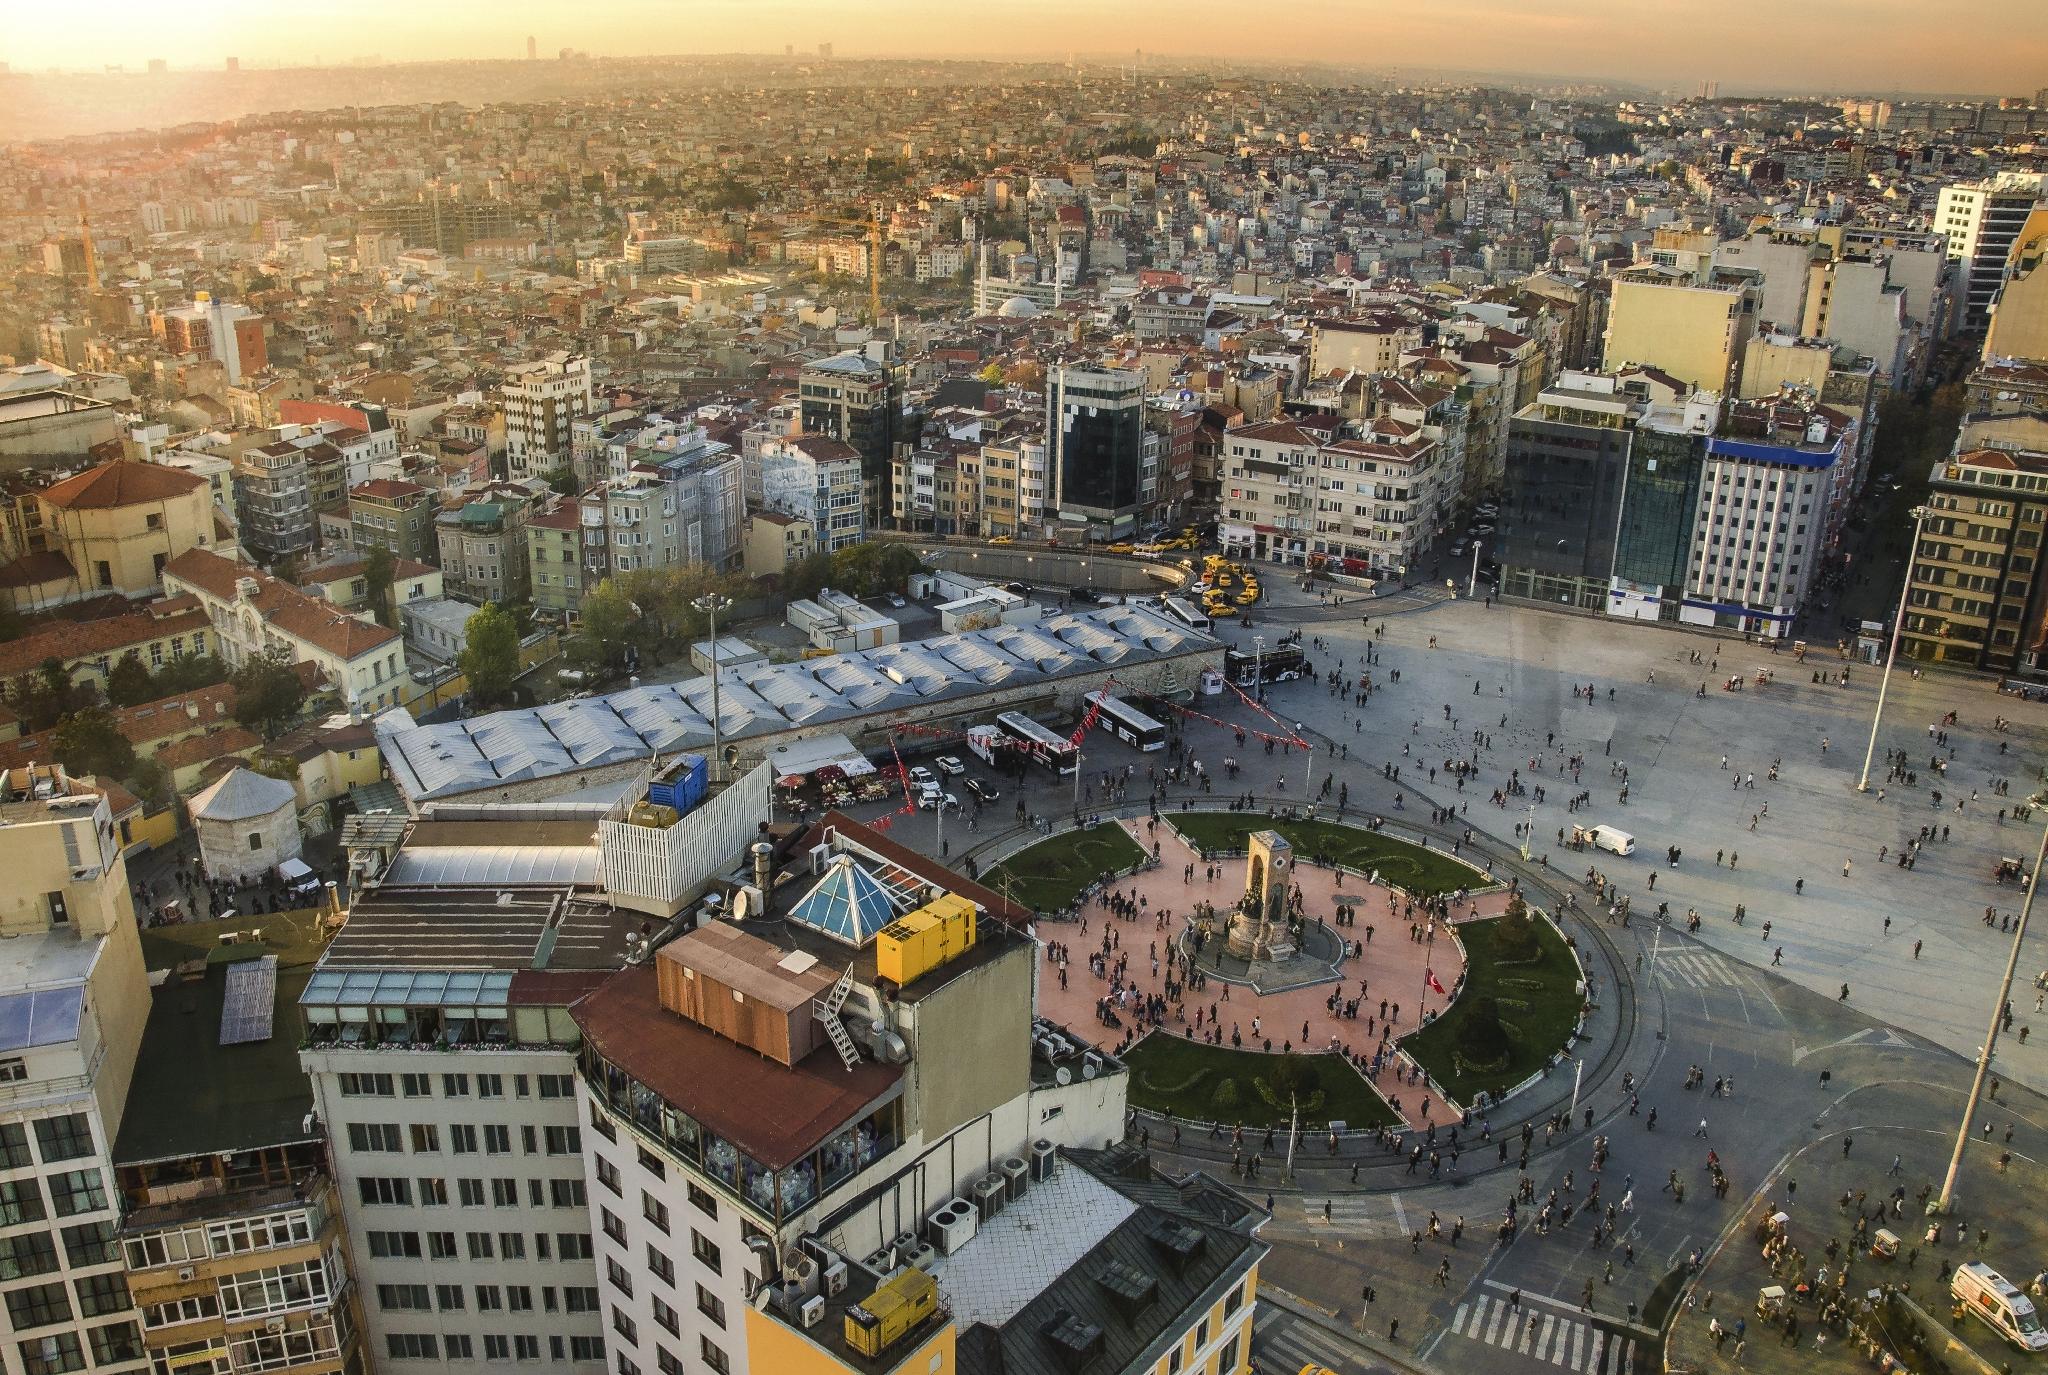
pixel 426 1138
pixel 519 1298
pixel 455 1086
pixel 462 1138
pixel 489 1298
pixel 255 840
pixel 441 1246
pixel 651 1163
pixel 14 1152
pixel 418 1085
pixel 116 1342
pixel 21 1200
pixel 490 1086
pixel 395 1245
pixel 666 1361
pixel 702 1200
pixel 13 1070
pixel 55 1354
pixel 433 1192
pixel 470 1192
pixel 613 1228
pixel 77 1191
pixel 384 1191
pixel 663 1268
pixel 565 1141
pixel 448 1298
pixel 60 914
pixel 526 1348
pixel 654 1210
pixel 28 1255
pixel 38 1306
pixel 374 1136
pixel 411 1346
pixel 557 1085
pixel 496 1348
pixel 608 1174
pixel 713 1356
pixel 566 1193
pixel 90 1243
pixel 512 1245
pixel 456 1344
pixel 98 1294
pixel 505 1192
pixel 404 1298
pixel 625 1327
pixel 573 1245
pixel 273 1289
pixel 580 1298
pixel 706 1252
pixel 63 1138
pixel 481 1246
pixel 616 1274
pixel 365 1086
pixel 497 1139
pixel 583 1348
pixel 711 1306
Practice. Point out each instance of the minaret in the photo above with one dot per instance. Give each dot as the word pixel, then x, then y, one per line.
pixel 92 261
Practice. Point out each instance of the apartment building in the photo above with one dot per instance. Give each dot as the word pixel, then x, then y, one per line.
pixel 231 1232
pixel 776 542
pixel 670 508
pixel 1983 219
pixel 230 334
pixel 554 556
pixel 858 400
pixel 76 997
pixel 1368 496
pixel 1661 318
pixel 817 479
pixel 1975 594
pixel 483 545
pixel 2019 315
pixel 390 513
pixel 252 613
pixel 867 1114
pixel 443 1056
pixel 274 499
pixel 541 399
pixel 111 528
pixel 1016 490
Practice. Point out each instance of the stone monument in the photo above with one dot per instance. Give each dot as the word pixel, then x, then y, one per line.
pixel 1258 928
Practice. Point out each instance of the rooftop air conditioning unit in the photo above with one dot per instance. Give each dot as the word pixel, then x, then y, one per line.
pixel 835 1277
pixel 952 1225
pixel 821 858
pixel 813 1311
pixel 881 1261
pixel 922 1257
pixel 1016 1177
pixel 990 1194
pixel 1045 1160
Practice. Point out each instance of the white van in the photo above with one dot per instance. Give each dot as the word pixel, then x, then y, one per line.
pixel 1992 1297
pixel 1608 838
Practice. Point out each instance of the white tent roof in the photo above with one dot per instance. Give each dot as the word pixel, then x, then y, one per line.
pixel 242 796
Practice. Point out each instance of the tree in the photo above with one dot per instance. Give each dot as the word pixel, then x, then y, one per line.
pixel 130 682
pixel 1514 935
pixel 563 480
pixel 11 624
pixel 1482 1037
pixel 380 570
pixel 88 742
pixel 268 692
pixel 807 575
pixel 45 697
pixel 490 654
pixel 606 626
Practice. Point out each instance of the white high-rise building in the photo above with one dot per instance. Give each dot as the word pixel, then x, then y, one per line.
pixel 1981 219
pixel 541 399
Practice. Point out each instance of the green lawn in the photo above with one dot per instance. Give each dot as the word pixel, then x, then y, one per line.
pixel 1188 1079
pixel 1048 875
pixel 1399 862
pixel 1539 1005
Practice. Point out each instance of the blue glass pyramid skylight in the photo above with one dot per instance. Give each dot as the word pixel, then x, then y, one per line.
pixel 848 904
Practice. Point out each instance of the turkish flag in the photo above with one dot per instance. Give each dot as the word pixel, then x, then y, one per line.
pixel 1434 986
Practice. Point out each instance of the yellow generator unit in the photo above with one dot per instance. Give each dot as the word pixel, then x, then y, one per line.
pixel 896 1306
pixel 918 942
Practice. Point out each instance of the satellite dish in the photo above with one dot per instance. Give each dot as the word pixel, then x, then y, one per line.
pixel 739 905
pixel 1063 1076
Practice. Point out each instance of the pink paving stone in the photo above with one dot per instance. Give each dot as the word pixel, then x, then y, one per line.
pixel 1392 967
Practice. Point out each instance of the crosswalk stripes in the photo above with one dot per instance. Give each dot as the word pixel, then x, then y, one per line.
pixel 1285 1343
pixel 1699 969
pixel 1352 1215
pixel 1569 1342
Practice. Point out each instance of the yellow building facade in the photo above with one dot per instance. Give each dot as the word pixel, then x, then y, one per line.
pixel 1695 333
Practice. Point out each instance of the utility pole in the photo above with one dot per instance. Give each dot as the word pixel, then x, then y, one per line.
pixel 1293 1131
pixel 2012 960
pixel 711 603
pixel 1472 583
pixel 1528 832
pixel 1919 514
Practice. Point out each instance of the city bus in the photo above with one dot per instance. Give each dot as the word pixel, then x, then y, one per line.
pixel 1126 722
pixel 1055 752
pixel 1187 613
pixel 1280 664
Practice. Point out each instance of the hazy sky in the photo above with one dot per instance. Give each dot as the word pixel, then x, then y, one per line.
pixel 1989 46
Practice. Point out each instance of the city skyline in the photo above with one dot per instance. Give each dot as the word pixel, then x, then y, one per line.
pixel 1841 45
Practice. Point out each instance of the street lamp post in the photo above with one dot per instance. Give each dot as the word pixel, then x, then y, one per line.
pixel 1472 583
pixel 711 603
pixel 2012 960
pixel 1919 514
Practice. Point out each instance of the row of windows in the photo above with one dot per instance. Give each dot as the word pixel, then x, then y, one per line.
pixel 499 1192
pixel 39 1305
pixel 424 1138
pixel 68 1137
pixel 71 1192
pixel 28 1254
pixel 456 1346
pixel 60 1352
pixel 489 1298
pixel 408 1245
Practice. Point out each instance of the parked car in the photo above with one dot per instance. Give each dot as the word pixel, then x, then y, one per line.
pixel 921 777
pixel 897 601
pixel 948 765
pixel 1458 546
pixel 932 797
pixel 982 792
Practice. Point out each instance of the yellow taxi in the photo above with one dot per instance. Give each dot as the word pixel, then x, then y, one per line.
pixel 1248 596
pixel 1002 539
pixel 1118 548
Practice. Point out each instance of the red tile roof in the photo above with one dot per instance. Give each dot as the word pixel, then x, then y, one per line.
pixel 69 642
pixel 36 568
pixel 123 482
pixel 291 611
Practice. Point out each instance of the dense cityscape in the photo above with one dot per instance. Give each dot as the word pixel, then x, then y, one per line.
pixel 853 667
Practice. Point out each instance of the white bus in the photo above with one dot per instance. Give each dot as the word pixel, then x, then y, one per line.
pixel 1126 722
pixel 1188 614
pixel 1055 752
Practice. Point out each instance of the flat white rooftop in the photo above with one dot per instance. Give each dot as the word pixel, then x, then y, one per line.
pixel 1023 1249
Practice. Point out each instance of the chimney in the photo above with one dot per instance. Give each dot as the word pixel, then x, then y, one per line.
pixel 246 589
